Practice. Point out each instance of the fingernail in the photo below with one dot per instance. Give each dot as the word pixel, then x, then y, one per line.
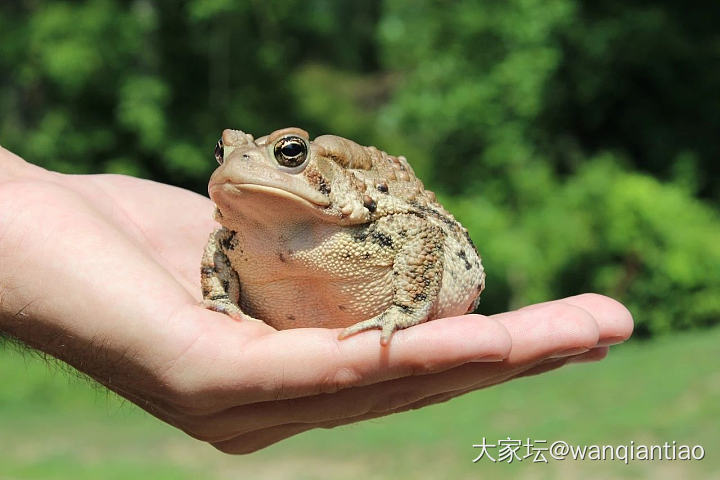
pixel 490 358
pixel 570 352
pixel 611 341
pixel 594 355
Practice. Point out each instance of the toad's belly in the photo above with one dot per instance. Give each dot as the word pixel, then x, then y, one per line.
pixel 316 302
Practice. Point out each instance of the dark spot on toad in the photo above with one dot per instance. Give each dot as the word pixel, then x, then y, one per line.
pixel 229 242
pixel 467 237
pixel 226 285
pixel 419 297
pixel 316 179
pixel 290 317
pixel 404 308
pixel 324 188
pixel 382 187
pixel 381 239
pixel 434 213
pixel 207 271
pixel 361 235
pixel 462 255
pixel 342 308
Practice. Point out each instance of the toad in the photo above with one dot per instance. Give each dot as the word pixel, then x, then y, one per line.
pixel 330 233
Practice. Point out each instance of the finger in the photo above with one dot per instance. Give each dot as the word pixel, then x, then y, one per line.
pixel 614 319
pixel 251 442
pixel 594 355
pixel 545 366
pixel 546 327
pixel 325 365
pixel 380 398
pixel 265 365
pixel 549 329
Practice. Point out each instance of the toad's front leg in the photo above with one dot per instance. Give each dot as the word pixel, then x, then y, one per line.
pixel 417 277
pixel 220 283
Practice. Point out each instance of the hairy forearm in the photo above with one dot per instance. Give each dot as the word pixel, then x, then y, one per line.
pixel 13 318
pixel 66 276
pixel 35 288
pixel 15 308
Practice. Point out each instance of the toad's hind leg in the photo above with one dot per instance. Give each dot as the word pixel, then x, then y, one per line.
pixel 417 277
pixel 394 318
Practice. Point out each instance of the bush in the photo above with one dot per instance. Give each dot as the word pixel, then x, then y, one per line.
pixel 607 230
pixel 576 139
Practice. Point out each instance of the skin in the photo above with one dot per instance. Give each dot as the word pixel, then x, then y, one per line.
pixel 101 271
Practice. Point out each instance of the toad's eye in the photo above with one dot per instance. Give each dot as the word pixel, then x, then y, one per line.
pixel 291 151
pixel 219 151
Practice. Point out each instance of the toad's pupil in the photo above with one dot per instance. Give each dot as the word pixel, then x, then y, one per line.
pixel 291 149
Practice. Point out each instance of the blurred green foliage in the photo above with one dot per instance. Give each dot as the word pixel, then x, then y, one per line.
pixel 577 140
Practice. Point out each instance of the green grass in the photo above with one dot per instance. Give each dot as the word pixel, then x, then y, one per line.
pixel 54 426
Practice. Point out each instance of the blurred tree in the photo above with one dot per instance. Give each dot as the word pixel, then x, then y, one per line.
pixel 145 88
pixel 538 103
pixel 576 139
pixel 642 78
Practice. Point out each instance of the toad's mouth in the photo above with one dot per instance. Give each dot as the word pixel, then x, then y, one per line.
pixel 292 193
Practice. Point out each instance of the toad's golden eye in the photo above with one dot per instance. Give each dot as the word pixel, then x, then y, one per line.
pixel 290 151
pixel 219 151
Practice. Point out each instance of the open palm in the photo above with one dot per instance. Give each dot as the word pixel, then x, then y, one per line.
pixel 103 272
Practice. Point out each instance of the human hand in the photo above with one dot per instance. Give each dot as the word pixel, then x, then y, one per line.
pixel 103 273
